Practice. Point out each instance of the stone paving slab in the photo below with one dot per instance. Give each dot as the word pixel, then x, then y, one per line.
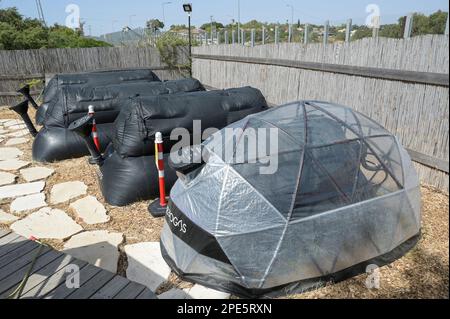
pixel 174 294
pixel 20 133
pixel 10 122
pixel 33 174
pixel 8 153
pixel 16 141
pixel 99 248
pixel 47 223
pixel 202 292
pixel 90 210
pixel 6 218
pixel 146 265
pixel 28 203
pixel 7 178
pixel 64 192
pixel 18 190
pixel 17 127
pixel 13 165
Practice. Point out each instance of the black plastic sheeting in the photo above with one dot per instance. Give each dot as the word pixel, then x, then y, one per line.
pixel 90 79
pixel 54 142
pixel 129 172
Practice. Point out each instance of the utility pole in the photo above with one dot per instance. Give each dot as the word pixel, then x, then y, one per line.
pixel 40 12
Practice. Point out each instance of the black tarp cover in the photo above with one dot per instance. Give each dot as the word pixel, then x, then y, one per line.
pixel 129 173
pixel 90 79
pixel 54 142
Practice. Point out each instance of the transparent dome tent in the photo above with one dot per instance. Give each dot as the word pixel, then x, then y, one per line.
pixel 344 196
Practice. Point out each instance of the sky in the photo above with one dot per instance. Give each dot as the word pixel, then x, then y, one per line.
pixel 105 16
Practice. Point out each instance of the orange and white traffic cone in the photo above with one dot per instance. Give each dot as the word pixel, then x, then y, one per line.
pixel 158 208
pixel 94 128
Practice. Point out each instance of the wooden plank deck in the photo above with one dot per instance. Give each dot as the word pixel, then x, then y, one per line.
pixel 48 277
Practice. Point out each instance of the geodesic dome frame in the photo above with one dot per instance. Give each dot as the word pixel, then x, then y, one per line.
pixel 345 195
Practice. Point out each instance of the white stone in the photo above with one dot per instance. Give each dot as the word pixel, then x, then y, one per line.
pixel 17 127
pixel 7 178
pixel 4 120
pixel 3 131
pixel 28 203
pixel 8 153
pixel 90 210
pixel 63 192
pixel 13 165
pixel 12 123
pixel 201 292
pixel 174 294
pixel 47 223
pixel 20 133
pixel 17 190
pixel 36 173
pixel 6 218
pixel 16 141
pixel 99 248
pixel 146 265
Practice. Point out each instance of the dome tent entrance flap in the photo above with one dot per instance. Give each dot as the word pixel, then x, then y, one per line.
pixel 345 195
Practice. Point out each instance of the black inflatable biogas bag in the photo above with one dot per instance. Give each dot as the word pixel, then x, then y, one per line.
pixel 54 142
pixel 129 172
pixel 90 79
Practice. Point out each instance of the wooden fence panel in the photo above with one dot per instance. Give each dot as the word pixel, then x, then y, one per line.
pixel 418 113
pixel 18 67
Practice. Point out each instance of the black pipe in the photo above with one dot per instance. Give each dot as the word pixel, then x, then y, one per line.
pixel 83 127
pixel 22 110
pixel 25 91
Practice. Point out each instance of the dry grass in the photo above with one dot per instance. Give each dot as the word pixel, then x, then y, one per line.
pixel 422 273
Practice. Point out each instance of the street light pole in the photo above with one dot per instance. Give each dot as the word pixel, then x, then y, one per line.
pixel 163 11
pixel 130 22
pixel 211 27
pixel 239 21
pixel 188 9
pixel 190 44
pixel 292 22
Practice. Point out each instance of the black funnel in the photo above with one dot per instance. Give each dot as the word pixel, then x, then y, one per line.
pixel 83 127
pixel 22 110
pixel 25 91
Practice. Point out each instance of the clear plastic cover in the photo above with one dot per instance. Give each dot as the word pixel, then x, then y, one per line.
pixel 345 192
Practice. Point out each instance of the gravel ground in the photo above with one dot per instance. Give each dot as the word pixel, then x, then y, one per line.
pixel 422 273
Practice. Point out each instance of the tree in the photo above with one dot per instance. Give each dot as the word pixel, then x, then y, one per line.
pixel 216 26
pixel 19 33
pixel 155 25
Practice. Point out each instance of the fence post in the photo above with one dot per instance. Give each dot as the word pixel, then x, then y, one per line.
pixel 233 36
pixel 225 35
pixel 408 26
pixel 348 30
pixel 306 35
pixel 326 30
pixel 376 26
pixel 218 37
pixel 446 25
pixel 243 37
pixel 264 35
pixel 253 37
pixel 290 33
pixel 276 35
